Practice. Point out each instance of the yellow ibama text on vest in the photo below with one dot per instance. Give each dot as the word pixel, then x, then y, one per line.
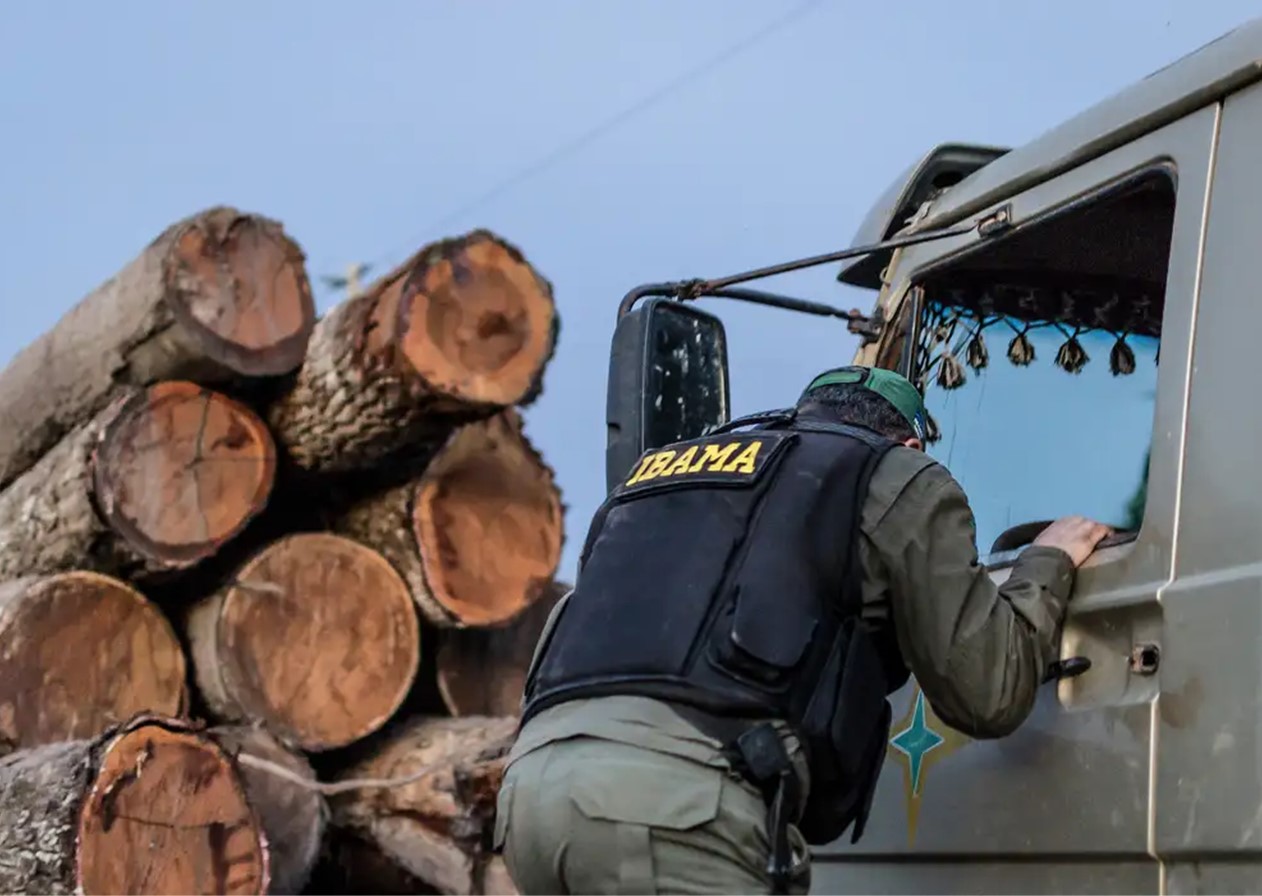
pixel 710 459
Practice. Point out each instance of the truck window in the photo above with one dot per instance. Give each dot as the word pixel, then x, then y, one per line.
pixel 1038 360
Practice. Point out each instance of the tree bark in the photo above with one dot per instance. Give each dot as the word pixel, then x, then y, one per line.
pixel 293 816
pixel 79 654
pixel 316 638
pixel 437 828
pixel 478 535
pixel 217 296
pixel 460 330
pixel 155 483
pixel 151 807
pixel 482 671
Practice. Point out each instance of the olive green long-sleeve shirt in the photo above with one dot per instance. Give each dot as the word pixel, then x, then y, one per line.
pixel 977 651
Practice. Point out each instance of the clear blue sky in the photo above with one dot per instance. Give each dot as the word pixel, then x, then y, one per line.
pixel 369 128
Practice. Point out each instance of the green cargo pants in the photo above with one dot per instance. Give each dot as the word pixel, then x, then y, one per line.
pixel 594 816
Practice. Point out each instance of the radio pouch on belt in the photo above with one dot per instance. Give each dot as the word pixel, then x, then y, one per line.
pixel 765 761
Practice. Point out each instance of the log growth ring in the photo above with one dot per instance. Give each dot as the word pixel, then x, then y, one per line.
pixel 239 285
pixel 181 470
pixel 319 638
pixel 80 652
pixel 168 813
pixel 487 519
pixel 476 321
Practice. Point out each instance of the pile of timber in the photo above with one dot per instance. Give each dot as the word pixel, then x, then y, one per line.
pixel 270 581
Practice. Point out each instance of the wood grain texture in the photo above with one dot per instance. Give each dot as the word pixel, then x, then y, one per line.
pixel 79 654
pixel 482 671
pixel 478 535
pixel 438 827
pixel 152 806
pixel 293 817
pixel 463 328
pixel 156 482
pixel 216 297
pixel 316 638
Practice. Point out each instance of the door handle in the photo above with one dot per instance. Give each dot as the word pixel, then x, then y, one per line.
pixel 1070 667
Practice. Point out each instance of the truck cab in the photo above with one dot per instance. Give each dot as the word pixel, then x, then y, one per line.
pixel 1089 358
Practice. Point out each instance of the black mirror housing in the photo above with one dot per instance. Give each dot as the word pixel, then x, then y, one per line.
pixel 668 381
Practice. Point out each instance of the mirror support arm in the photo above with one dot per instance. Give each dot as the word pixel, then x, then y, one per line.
pixel 869 327
pixel 679 291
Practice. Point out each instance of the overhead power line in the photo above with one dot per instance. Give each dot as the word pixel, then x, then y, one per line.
pixel 605 126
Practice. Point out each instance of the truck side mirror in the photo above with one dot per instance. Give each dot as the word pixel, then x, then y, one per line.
pixel 667 381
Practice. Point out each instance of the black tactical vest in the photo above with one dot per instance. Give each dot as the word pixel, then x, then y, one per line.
pixel 722 576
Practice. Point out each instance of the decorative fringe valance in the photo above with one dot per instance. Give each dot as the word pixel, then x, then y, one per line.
pixel 957 317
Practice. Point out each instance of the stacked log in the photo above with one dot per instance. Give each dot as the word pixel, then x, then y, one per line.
pixel 477 533
pixel 315 638
pixel 81 652
pixel 293 815
pixel 270 582
pixel 482 671
pixel 434 826
pixel 159 480
pixel 461 330
pixel 217 297
pixel 150 807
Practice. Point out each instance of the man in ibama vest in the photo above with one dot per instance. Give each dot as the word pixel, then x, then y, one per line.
pixel 711 697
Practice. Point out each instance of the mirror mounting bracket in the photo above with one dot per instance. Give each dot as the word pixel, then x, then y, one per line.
pixel 864 325
pixel 867 327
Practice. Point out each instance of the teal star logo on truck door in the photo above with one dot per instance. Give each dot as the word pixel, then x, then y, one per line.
pixel 919 741
pixel 916 741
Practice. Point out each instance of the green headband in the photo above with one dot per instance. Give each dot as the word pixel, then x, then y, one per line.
pixel 893 387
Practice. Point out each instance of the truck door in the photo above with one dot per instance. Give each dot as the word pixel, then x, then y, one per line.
pixel 1056 362
pixel 1207 784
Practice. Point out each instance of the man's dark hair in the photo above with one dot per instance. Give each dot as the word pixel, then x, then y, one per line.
pixel 857 406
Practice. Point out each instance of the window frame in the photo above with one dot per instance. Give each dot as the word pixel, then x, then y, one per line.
pixel 1184 150
pixel 996 560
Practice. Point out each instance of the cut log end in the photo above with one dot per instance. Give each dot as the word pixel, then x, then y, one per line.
pixel 476 321
pixel 460 330
pixel 293 816
pixel 437 826
pixel 181 470
pixel 80 653
pixel 482 671
pixel 487 517
pixel 167 813
pixel 238 284
pixel 319 639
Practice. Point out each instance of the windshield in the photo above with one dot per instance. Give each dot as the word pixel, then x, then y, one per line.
pixel 1037 419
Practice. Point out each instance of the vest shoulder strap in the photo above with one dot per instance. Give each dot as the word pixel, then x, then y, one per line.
pixel 781 417
pixel 867 436
pixel 787 418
